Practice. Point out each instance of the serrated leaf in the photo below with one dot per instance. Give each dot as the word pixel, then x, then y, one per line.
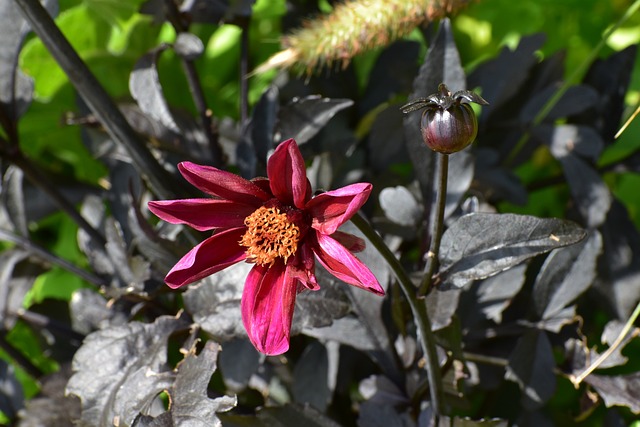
pixel 120 370
pixel 480 245
pixel 144 85
pixel 531 366
pixel 565 275
pixel 303 118
pixel 618 390
pixel 191 405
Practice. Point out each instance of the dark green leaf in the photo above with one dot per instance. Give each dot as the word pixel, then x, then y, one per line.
pixel 480 245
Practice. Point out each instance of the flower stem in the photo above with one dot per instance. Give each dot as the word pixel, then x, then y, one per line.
pixel 436 226
pixel 418 309
pixel 576 380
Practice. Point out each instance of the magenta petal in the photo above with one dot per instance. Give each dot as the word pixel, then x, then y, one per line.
pixel 267 308
pixel 344 265
pixel 288 176
pixel 332 209
pixel 349 241
pixel 202 214
pixel 302 267
pixel 212 255
pixel 223 184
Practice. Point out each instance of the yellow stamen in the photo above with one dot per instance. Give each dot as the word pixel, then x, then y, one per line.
pixel 270 235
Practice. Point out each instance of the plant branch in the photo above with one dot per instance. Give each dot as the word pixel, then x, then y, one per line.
pixel 50 258
pixel 437 224
pixel 162 183
pixel 418 308
pixel 40 181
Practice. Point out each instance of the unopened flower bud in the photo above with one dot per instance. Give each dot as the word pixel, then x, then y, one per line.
pixel 448 122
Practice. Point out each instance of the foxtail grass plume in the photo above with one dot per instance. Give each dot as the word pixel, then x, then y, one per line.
pixel 352 28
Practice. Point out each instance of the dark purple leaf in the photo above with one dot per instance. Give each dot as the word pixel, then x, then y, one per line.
pixel 565 275
pixel 303 118
pixel 238 362
pixel 618 390
pixel 118 371
pixel 496 181
pixel 90 311
pixel 574 101
pixel 460 174
pixel 610 77
pixel 13 200
pixel 441 306
pixel 51 407
pixel 16 88
pixel 214 302
pixel 495 293
pixel 190 403
pixel 441 65
pixel 17 276
pixel 311 377
pixel 379 414
pixel 400 206
pixel 281 416
pixel 252 153
pixel 570 139
pixel 207 11
pixel 384 142
pixel 11 395
pixel 188 46
pixel 144 85
pixel 502 77
pixel 480 245
pixel 531 366
pixel 591 194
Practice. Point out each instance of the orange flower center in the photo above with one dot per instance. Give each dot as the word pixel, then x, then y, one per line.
pixel 270 235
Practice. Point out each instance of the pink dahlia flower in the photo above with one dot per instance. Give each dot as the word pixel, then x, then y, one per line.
pixel 276 224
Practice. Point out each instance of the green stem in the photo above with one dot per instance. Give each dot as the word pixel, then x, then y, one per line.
pixel 163 183
pixel 576 380
pixel 436 226
pixel 571 80
pixel 418 309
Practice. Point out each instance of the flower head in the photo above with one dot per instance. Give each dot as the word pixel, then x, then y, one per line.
pixel 448 122
pixel 276 224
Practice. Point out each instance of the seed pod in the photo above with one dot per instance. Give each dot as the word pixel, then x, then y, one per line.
pixel 448 122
